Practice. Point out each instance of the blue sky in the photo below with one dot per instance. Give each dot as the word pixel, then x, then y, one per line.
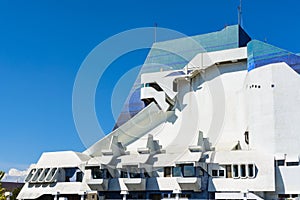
pixel 43 43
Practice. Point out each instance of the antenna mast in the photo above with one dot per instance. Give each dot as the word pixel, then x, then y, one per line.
pixel 240 14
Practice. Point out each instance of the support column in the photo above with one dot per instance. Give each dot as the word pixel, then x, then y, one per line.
pixel 125 193
pixel 176 192
pixel 56 195
pixel 82 195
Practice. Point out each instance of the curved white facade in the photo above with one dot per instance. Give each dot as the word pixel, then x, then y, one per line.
pixel 225 126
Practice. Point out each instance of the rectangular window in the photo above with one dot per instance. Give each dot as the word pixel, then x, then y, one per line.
pixel 251 171
pixel 235 171
pixel 214 173
pixel 292 163
pixel 167 172
pixel 134 173
pixel 243 170
pixel 280 162
pixel 79 176
pixel 177 172
pixel 228 171
pixel 188 171
pixel 97 173
pixel 221 173
pixel 124 173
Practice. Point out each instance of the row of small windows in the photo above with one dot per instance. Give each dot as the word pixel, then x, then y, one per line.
pixel 54 175
pixel 254 86
pixel 235 171
pixel 258 86
pixel 284 163
pixel 182 171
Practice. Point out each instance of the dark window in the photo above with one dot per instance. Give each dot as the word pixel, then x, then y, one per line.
pixel 177 172
pixel 292 163
pixel 97 173
pixel 235 171
pixel 29 176
pixel 79 176
pixel 124 174
pixel 272 85
pixel 188 171
pixel 243 171
pixel 251 170
pixel 228 171
pixel 221 173
pixel 167 172
pixel 214 172
pixel 135 173
pixel 280 162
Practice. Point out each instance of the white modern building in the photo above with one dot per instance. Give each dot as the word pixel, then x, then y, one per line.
pixel 213 116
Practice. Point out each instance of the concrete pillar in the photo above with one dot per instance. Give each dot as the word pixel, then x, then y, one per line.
pixel 176 192
pixel 82 195
pixel 124 192
pixel 56 196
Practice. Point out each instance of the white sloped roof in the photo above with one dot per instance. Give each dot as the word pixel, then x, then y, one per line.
pixel 61 159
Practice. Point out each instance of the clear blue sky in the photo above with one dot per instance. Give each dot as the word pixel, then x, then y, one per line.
pixel 43 43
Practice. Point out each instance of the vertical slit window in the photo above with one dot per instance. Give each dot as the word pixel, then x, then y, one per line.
pixel 235 171
pixel 243 170
pixel 228 171
pixel 251 171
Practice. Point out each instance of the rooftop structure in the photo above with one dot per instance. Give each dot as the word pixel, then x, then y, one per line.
pixel 217 118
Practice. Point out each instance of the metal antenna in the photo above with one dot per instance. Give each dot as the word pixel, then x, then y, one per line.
pixel 155 27
pixel 240 14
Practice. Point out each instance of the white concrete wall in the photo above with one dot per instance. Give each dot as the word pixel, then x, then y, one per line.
pixel 264 179
pixel 288 180
pixel 274 111
pixel 221 104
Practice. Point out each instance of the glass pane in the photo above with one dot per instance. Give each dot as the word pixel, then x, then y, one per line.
pixel 250 170
pixel 228 171
pixel 214 172
pixel 124 174
pixel 235 171
pixel 167 172
pixel 177 171
pixel 188 171
pixel 221 173
pixel 243 171
pixel 97 173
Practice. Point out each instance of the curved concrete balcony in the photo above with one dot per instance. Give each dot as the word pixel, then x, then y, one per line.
pixel 135 183
pixel 98 184
pixel 189 183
